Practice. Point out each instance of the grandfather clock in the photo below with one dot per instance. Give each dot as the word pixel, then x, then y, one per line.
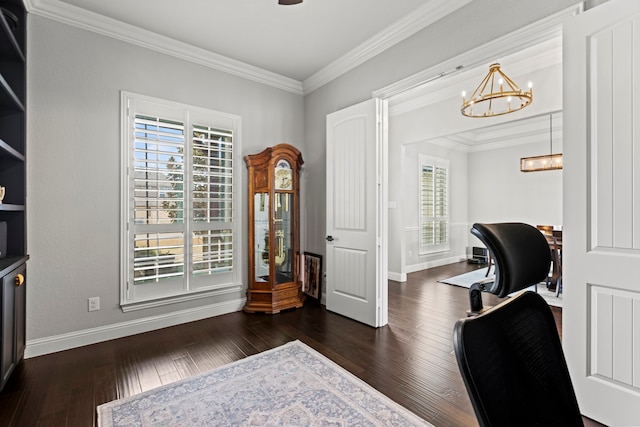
pixel 273 230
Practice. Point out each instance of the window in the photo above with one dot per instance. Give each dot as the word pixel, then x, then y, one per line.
pixel 434 204
pixel 180 231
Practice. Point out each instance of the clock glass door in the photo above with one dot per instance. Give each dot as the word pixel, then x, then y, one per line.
pixel 283 233
pixel 261 236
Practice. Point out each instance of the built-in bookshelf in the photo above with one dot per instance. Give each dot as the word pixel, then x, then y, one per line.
pixel 13 248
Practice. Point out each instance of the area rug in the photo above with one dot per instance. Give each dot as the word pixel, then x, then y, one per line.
pixel 289 385
pixel 467 279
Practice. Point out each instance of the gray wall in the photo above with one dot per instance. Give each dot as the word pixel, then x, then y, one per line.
pixel 73 174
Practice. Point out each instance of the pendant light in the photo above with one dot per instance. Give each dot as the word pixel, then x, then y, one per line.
pixel 543 163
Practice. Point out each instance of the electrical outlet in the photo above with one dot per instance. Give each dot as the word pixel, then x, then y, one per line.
pixel 94 304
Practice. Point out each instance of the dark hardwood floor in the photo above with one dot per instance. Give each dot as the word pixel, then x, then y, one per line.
pixel 411 360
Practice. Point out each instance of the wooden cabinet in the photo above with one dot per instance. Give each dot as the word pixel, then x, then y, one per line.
pixel 274 250
pixel 13 180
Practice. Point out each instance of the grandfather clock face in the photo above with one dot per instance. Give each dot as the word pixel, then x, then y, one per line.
pixel 283 176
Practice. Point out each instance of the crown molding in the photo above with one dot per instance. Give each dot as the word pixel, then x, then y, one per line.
pixel 538 32
pixel 421 18
pixel 90 21
pixel 443 91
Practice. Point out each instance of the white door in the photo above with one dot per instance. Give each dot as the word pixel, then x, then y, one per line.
pixel 355 265
pixel 601 315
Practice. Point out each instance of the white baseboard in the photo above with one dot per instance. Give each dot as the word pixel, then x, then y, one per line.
pixel 52 344
pixel 435 263
pixel 402 277
pixel 397 277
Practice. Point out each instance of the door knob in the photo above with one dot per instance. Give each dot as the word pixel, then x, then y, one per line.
pixel 329 238
pixel 19 279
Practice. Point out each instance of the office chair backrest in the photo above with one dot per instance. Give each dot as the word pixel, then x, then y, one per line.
pixel 513 366
pixel 520 253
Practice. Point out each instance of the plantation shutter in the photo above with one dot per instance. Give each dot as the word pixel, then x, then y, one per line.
pixel 158 199
pixel 434 204
pixel 180 233
pixel 441 206
pixel 427 206
pixel 212 159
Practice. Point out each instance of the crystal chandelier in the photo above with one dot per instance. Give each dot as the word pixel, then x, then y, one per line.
pixel 496 95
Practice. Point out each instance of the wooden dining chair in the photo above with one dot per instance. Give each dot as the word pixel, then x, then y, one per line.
pixel 548 231
pixel 545 229
pixel 489 264
pixel 557 259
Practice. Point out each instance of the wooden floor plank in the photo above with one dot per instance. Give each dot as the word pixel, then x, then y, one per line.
pixel 411 360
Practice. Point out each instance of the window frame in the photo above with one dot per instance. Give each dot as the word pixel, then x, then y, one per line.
pixel 430 248
pixel 187 286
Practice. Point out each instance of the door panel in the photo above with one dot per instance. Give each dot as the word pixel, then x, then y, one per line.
pixel 355 284
pixel 601 315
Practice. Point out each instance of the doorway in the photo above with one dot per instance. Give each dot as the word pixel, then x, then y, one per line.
pixel 485 184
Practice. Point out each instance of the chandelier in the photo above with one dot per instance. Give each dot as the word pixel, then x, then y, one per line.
pixel 496 95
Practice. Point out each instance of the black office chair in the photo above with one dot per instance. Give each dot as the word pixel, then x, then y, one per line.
pixel 521 257
pixel 510 355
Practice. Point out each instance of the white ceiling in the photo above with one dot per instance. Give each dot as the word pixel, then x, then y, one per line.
pixel 295 41
pixel 519 131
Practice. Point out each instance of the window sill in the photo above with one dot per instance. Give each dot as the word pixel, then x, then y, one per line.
pixel 433 251
pixel 150 303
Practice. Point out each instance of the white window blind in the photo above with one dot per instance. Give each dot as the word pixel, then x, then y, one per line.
pixel 434 204
pixel 178 200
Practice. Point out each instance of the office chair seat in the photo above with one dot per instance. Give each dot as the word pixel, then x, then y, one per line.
pixel 513 366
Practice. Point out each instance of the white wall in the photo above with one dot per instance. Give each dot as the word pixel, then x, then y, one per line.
pixel 486 184
pixel 499 192
pixel 404 256
pixel 445 39
pixel 73 174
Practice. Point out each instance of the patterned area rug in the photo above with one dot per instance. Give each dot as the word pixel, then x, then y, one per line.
pixel 467 279
pixel 290 385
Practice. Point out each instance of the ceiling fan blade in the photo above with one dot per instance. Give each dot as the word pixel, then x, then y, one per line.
pixel 287 2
